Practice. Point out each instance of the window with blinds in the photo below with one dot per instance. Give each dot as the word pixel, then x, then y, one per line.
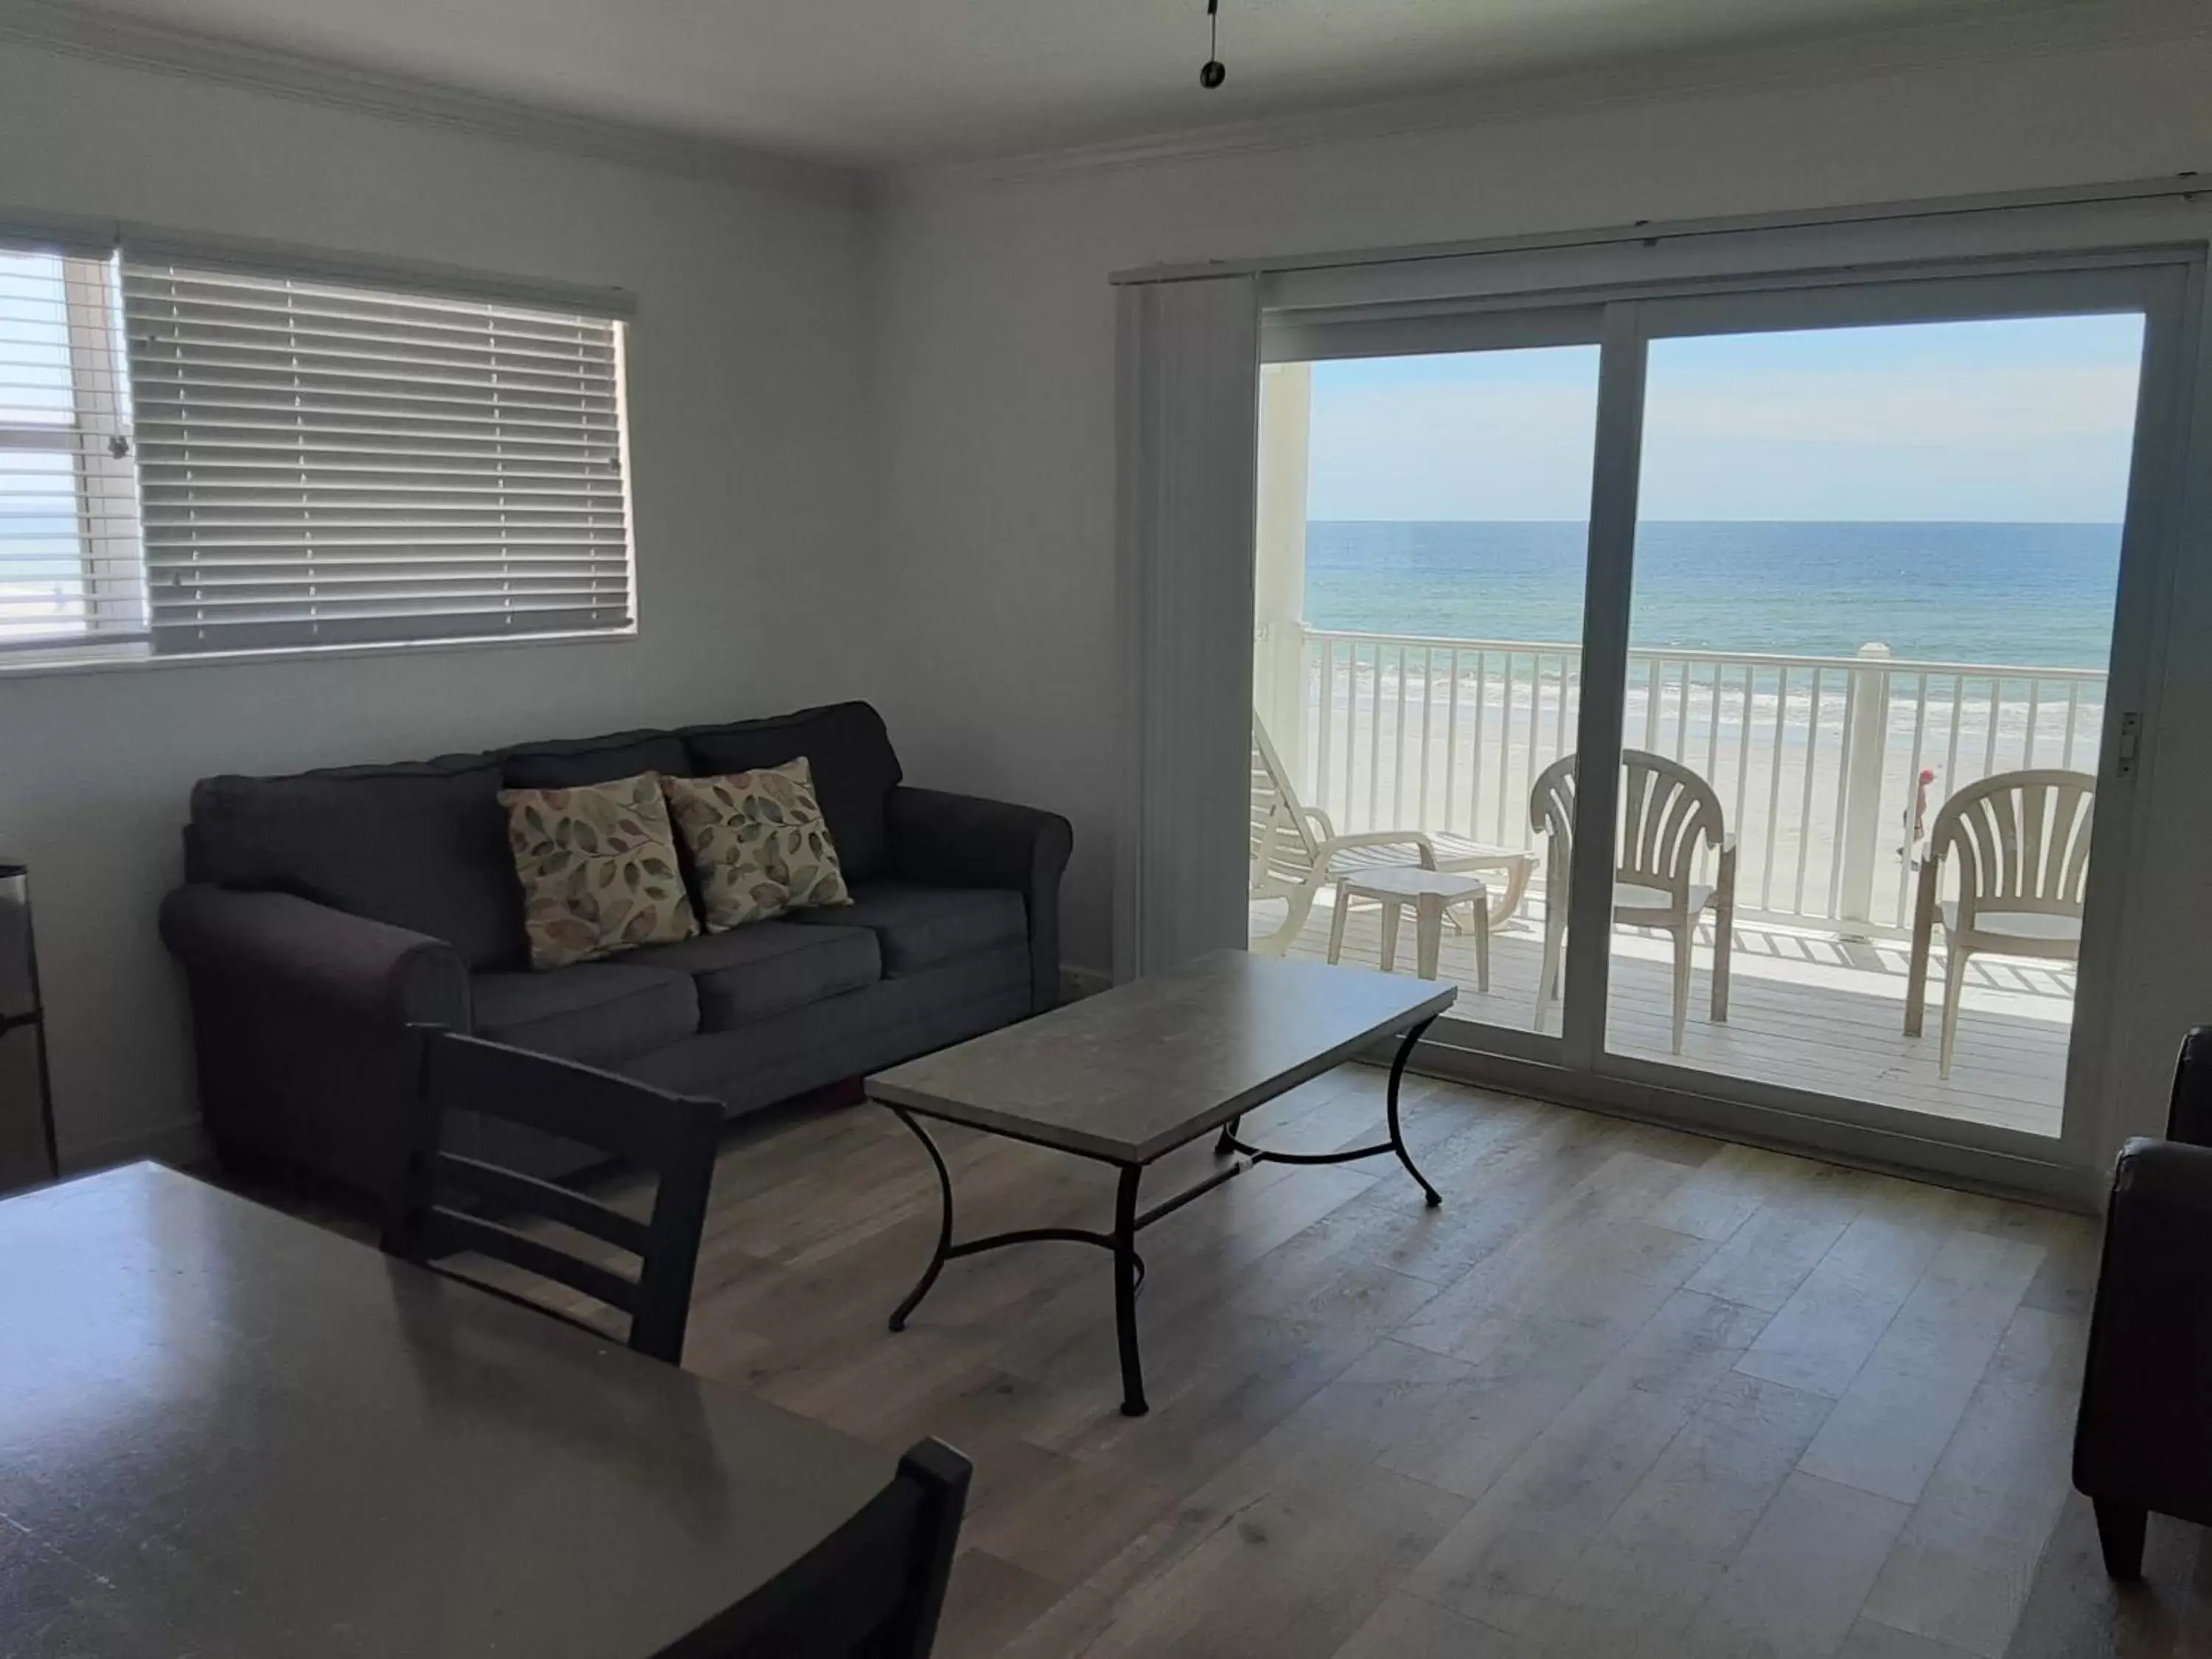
pixel 69 571
pixel 200 459
pixel 325 464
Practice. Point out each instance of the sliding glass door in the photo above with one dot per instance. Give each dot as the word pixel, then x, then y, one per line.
pixel 1828 599
pixel 1868 594
pixel 1870 622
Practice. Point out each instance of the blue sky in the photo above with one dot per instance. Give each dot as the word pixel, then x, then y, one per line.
pixel 1986 421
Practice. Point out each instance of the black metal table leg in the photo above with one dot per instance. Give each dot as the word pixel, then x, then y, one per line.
pixel 1120 1243
pixel 1128 1265
pixel 1396 1144
pixel 943 1227
pixel 1125 1291
pixel 1397 1134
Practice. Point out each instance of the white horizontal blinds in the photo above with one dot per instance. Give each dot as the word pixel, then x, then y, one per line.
pixel 70 569
pixel 325 464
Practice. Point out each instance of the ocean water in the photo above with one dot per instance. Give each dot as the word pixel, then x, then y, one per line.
pixel 2015 594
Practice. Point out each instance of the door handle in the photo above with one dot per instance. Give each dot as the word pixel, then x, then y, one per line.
pixel 2123 756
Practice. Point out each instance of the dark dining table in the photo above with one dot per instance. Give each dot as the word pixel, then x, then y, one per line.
pixel 226 1431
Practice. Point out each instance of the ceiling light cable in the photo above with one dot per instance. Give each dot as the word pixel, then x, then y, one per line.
pixel 1213 74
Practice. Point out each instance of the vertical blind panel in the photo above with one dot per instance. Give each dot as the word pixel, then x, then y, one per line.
pixel 1189 402
pixel 69 512
pixel 324 465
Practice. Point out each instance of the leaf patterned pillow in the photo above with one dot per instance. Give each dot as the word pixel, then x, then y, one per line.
pixel 599 870
pixel 758 843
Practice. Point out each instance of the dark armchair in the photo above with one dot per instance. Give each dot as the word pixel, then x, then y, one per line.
pixel 2143 1440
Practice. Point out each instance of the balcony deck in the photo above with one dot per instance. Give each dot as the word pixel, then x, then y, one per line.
pixel 1807 1009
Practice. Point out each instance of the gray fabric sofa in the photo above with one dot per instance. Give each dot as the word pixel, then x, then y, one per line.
pixel 323 912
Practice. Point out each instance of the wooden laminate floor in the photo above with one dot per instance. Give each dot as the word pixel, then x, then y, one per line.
pixel 1630 1392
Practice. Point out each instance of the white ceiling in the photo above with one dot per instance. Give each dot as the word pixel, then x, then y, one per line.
pixel 887 82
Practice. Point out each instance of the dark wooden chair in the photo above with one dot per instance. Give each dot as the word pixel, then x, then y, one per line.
pixel 874 1588
pixel 670 1136
pixel 2143 1442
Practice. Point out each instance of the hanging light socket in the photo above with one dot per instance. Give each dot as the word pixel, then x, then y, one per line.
pixel 1214 72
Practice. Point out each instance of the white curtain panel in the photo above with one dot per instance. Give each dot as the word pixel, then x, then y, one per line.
pixel 1189 402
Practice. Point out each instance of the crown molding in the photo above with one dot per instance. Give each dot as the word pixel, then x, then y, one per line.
pixel 83 30
pixel 86 31
pixel 2067 26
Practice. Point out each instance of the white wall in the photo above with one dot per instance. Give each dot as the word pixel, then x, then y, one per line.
pixel 996 338
pixel 745 381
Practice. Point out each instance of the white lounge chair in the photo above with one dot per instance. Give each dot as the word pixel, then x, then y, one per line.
pixel 1669 814
pixel 2020 843
pixel 1295 851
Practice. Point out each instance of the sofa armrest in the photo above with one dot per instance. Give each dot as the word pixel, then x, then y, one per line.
pixel 362 969
pixel 2143 1439
pixel 965 841
pixel 300 1015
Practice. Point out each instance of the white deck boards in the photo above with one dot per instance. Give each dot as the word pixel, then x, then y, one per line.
pixel 1805 1010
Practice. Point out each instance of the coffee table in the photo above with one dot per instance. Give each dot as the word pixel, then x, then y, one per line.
pixel 1128 1076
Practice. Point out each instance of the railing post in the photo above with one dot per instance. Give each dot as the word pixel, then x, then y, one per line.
pixel 1866 723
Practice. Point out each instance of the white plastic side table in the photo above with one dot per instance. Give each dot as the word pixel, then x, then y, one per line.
pixel 1431 893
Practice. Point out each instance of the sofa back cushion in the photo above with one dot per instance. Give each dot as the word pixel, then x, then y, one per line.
pixel 849 752
pixel 422 846
pixel 578 763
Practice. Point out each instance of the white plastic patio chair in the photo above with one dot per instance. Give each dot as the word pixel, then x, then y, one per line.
pixel 1295 851
pixel 2019 841
pixel 1669 814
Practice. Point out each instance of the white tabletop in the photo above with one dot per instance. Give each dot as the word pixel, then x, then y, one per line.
pixel 1410 881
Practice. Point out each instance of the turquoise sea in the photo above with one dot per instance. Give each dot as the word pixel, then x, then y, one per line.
pixel 2015 594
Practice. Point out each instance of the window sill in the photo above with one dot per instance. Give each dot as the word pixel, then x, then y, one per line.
pixel 74 660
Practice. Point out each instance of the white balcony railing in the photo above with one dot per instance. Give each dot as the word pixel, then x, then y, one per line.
pixel 1816 759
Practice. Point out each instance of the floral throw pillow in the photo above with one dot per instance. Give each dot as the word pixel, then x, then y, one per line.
pixel 758 843
pixel 599 870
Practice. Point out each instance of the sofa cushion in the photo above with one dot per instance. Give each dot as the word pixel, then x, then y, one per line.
pixel 422 846
pixel 849 753
pixel 845 1037
pixel 920 927
pixel 577 762
pixel 598 1012
pixel 768 967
